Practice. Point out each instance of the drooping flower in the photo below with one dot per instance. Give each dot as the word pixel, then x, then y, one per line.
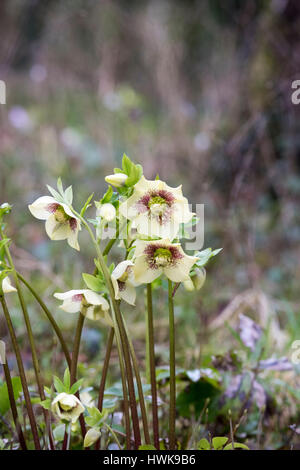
pixel 196 280
pixel 61 223
pixel 118 179
pixel 67 407
pixel 156 209
pixel 7 286
pixel 92 305
pixel 153 258
pixel 123 282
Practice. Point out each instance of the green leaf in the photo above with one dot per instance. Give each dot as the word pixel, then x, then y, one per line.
pixel 55 194
pixel 92 282
pixel 46 404
pixel 237 445
pixel 69 195
pixel 127 164
pixel 86 205
pixel 4 398
pixel 219 442
pixel 67 378
pixel 60 186
pixel 96 416
pixel 59 386
pixel 76 386
pixel 107 196
pixel 203 444
pixel 147 447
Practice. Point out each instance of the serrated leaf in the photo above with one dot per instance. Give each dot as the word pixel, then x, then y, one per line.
pixel 126 164
pixel 107 196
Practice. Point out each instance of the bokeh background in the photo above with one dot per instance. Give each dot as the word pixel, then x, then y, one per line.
pixel 196 91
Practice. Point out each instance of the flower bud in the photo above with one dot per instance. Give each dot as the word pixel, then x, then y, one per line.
pixel 107 212
pixel 196 281
pixel 91 437
pixel 118 179
pixel 7 286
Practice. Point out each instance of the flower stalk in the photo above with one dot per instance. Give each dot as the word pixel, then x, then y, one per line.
pixel 22 374
pixel 151 355
pixel 172 408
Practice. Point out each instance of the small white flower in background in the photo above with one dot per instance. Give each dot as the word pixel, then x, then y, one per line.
pixel 118 179
pixel 92 305
pixel 91 437
pixel 67 407
pixel 61 223
pixel 156 209
pixel 196 280
pixel 7 286
pixel 107 212
pixel 153 258
pixel 123 282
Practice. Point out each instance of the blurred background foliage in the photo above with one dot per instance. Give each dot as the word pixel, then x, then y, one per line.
pixel 199 92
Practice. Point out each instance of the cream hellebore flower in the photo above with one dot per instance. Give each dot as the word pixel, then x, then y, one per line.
pixel 153 258
pixel 107 212
pixel 156 209
pixel 7 286
pixel 91 437
pixel 67 407
pixel 118 179
pixel 61 223
pixel 196 280
pixel 91 305
pixel 123 281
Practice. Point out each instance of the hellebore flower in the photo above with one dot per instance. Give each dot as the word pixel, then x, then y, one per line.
pixel 61 223
pixel 91 305
pixel 7 286
pixel 156 209
pixel 118 179
pixel 123 282
pixel 196 280
pixel 67 407
pixel 153 258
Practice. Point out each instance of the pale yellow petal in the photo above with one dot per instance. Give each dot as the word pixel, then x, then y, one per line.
pixel 40 207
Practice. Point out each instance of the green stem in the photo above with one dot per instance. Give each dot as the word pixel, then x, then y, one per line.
pixel 22 374
pixel 114 435
pixel 124 386
pixel 104 375
pixel 13 406
pixel 139 386
pixel 172 412
pixel 74 364
pixel 123 337
pixel 35 360
pixel 50 318
pixel 152 366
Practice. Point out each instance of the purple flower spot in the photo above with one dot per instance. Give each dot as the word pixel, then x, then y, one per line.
pixel 73 223
pixel 77 298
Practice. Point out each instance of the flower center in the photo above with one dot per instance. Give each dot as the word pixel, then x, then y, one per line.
pixel 162 257
pixel 65 407
pixel 124 277
pixel 60 215
pixel 157 205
